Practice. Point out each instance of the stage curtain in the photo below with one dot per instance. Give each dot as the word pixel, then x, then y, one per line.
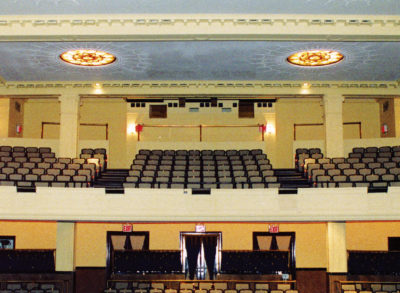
pixel 193 245
pixel 210 248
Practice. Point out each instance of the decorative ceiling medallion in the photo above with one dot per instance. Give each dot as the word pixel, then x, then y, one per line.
pixel 315 58
pixel 87 57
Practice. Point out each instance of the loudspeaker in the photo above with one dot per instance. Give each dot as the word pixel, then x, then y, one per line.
pixel 26 188
pixel 287 191
pixel 201 191
pixel 115 190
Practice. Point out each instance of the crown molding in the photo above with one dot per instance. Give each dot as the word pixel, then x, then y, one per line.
pixel 199 27
pixel 200 84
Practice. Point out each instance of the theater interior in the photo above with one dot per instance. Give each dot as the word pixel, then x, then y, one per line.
pixel 199 146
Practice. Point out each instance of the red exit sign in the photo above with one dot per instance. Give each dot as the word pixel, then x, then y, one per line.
pixel 127 228
pixel 274 228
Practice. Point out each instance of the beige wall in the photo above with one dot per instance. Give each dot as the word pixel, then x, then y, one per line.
pixel 370 235
pixel 37 111
pixel 16 117
pixel 296 111
pixel 387 117
pixel 91 239
pixel 4 116
pixel 364 111
pixel 112 112
pixel 31 235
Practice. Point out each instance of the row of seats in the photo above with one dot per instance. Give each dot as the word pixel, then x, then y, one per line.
pixel 30 287
pixel 110 290
pixel 357 152
pixel 199 287
pixel 370 287
pixel 97 153
pixel 351 169
pixel 357 181
pixel 201 169
pixel 382 149
pixel 303 153
pixel 354 171
pixel 45 171
pixel 22 149
pixel 200 152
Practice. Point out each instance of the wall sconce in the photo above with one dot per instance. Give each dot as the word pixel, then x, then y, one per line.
pixel 270 129
pixel 98 89
pixel 131 129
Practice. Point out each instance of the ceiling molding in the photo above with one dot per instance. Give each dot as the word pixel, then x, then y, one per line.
pixel 199 84
pixel 198 27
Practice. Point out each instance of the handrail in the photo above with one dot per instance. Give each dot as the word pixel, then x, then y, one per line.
pixel 201 126
pixel 81 124
pixel 321 124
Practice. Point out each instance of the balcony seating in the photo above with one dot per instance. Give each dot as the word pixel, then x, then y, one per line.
pixel 31 166
pixel 364 167
pixel 201 169
pixel 97 153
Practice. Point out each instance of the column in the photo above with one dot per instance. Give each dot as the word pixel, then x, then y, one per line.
pixel 337 253
pixel 69 126
pixel 333 106
pixel 65 247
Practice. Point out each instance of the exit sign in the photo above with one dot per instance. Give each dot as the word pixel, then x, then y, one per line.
pixel 200 228
pixel 127 228
pixel 274 228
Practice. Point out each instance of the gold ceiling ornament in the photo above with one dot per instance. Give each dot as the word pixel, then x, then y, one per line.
pixel 87 57
pixel 315 58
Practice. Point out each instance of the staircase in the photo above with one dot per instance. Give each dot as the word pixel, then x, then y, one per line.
pixel 291 178
pixel 111 178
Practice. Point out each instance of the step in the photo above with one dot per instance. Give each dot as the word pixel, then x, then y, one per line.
pixel 110 179
pixel 115 173
pixel 287 172
pixel 291 178
pixel 294 185
pixel 107 184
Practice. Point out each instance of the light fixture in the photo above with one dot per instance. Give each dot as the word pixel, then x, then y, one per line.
pixel 87 57
pixel 269 129
pixel 315 58
pixel 131 129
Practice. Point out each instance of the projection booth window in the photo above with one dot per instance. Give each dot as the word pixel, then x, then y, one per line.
pixel 7 242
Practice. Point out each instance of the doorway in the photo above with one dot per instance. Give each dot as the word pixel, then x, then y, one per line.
pixel 282 241
pixel 201 254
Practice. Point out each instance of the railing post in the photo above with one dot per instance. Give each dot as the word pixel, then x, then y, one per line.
pixel 201 133
pixel 262 131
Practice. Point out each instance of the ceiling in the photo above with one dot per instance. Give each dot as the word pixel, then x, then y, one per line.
pixel 199 60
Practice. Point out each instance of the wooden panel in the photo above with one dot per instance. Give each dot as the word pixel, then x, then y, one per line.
pixel 311 280
pixel 90 279
pixel 158 111
pixel 246 109
pixel 332 278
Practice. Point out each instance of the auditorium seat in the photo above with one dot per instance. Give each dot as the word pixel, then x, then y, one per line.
pixel 262 286
pixel 205 285
pixel 222 285
pixel 242 286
